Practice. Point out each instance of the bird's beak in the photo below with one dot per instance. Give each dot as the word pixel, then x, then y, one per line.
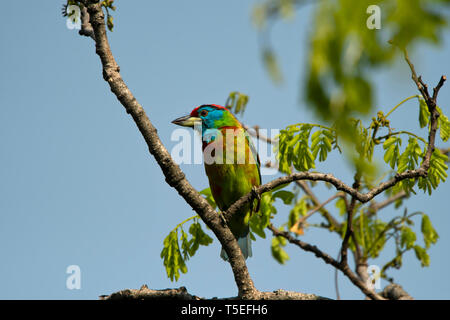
pixel 187 121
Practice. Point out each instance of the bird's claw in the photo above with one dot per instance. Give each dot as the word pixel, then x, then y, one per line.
pixel 257 196
pixel 224 221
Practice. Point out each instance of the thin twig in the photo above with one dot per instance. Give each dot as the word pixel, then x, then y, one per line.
pixel 376 206
pixel 329 260
pixel 86 27
pixel 172 172
pixel 302 220
pixel 325 213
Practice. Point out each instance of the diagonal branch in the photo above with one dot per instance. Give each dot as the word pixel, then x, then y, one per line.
pixel 172 172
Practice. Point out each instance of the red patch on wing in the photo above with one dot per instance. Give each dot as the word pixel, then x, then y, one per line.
pixel 194 112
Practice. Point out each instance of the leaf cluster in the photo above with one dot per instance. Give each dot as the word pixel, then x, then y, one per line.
pixel 179 246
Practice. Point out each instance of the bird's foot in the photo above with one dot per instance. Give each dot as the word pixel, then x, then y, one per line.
pixel 224 221
pixel 257 196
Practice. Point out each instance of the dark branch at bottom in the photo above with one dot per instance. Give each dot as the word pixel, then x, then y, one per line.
pixel 144 293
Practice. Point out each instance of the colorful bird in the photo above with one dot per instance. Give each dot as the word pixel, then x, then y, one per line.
pixel 231 164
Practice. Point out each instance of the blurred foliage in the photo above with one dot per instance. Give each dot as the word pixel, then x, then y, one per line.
pixel 276 248
pixel 272 66
pixel 338 87
pixel 343 51
pixel 237 102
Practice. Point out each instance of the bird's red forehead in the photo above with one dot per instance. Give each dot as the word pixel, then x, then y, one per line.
pixel 194 112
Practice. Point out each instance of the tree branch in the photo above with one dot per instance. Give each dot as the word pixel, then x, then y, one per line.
pixel 175 177
pixel 326 177
pixel 144 293
pixel 86 27
pixel 376 206
pixel 172 172
pixel 431 103
pixel 349 228
pixel 254 132
pixel 395 292
pixel 422 171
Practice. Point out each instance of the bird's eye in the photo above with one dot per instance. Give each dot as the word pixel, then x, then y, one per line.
pixel 203 113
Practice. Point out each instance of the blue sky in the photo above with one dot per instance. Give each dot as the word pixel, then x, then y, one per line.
pixel 78 186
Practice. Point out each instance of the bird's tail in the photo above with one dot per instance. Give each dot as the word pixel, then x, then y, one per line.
pixel 246 247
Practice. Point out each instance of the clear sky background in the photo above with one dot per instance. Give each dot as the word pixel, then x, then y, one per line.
pixel 78 186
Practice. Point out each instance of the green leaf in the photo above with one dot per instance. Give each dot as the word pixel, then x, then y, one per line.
pixel 364 144
pixel 208 196
pixel 410 157
pixel 199 237
pixel 271 64
pixel 299 209
pixel 422 256
pixel 341 206
pixel 437 172
pixel 392 147
pixel 284 195
pixel 430 236
pixel 172 257
pixel 259 15
pixel 407 238
pixel 237 102
pixel 424 114
pixel 444 125
pixel 260 220
pixel 303 158
pixel 321 144
pixel 277 251
pixel 185 245
pixel 293 148
pixel 374 233
pixel 110 23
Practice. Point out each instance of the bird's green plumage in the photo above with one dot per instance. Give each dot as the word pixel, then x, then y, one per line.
pixel 231 164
